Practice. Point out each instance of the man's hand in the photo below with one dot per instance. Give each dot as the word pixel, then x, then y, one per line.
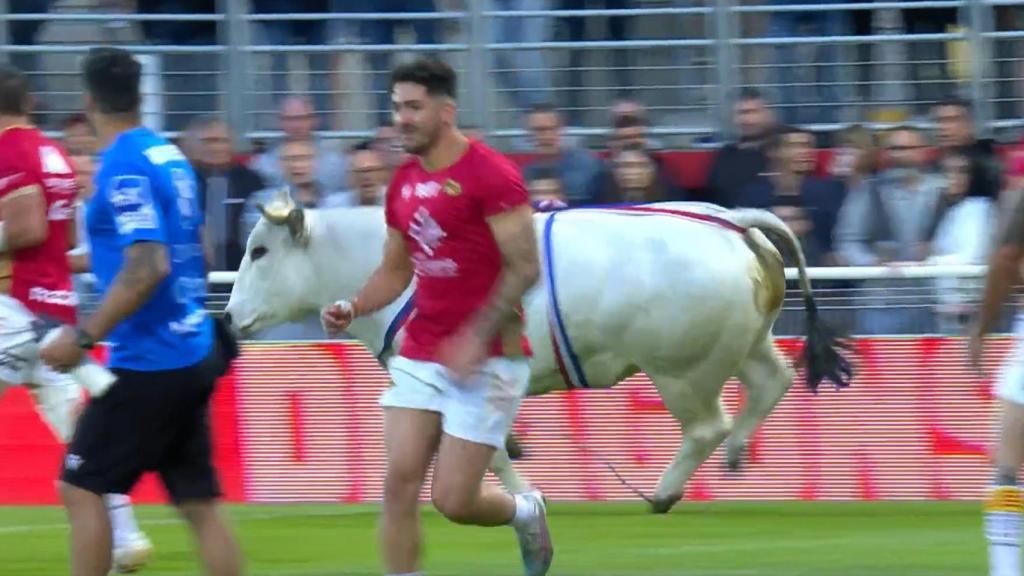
pixel 463 353
pixel 336 318
pixel 63 352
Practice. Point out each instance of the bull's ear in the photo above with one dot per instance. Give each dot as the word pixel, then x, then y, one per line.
pixel 297 226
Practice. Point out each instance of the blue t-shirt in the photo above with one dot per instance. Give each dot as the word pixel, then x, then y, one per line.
pixel 146 192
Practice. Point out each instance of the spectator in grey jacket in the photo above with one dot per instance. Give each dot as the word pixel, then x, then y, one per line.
pixel 888 220
pixel 580 172
pixel 298 120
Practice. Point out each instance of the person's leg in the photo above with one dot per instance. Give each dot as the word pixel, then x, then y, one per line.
pixel 214 539
pixel 90 531
pixel 410 437
pixel 1004 509
pixel 478 414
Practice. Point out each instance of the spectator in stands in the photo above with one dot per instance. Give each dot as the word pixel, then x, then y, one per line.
pixel 964 234
pixel 808 204
pixel 633 178
pixel 224 186
pixel 739 164
pixel 630 131
pixel 298 120
pixel 856 157
pixel 189 79
pixel 369 175
pixel 299 32
pixel 85 170
pixel 579 171
pixel 78 136
pixel 956 135
pixel 522 73
pixel 817 98
pixel 545 186
pixel 388 143
pixel 382 32
pixel 888 220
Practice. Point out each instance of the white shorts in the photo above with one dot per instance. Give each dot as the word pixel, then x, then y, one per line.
pixel 481 409
pixel 57 394
pixel 1010 385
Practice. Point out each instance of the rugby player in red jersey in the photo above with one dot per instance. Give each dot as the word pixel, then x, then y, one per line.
pixel 459 220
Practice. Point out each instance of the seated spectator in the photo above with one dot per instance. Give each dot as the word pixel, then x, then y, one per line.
pixel 579 171
pixel 856 156
pixel 298 120
pixel 634 179
pixel 808 204
pixel 629 126
pixel 85 169
pixel 963 235
pixel 888 220
pixel 738 164
pixel 544 186
pixel 369 175
pixel 78 136
pixel 224 186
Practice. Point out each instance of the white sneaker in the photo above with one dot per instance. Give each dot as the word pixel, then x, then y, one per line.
pixel 534 539
pixel 132 554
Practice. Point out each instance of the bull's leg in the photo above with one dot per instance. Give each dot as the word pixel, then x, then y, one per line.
pixel 705 425
pixel 507 474
pixel 766 377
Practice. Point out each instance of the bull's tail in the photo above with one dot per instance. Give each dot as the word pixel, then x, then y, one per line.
pixel 822 355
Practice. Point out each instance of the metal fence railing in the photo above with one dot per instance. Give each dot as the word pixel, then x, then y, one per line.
pixel 823 64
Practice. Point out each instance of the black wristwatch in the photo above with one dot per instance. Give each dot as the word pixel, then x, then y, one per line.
pixel 84 341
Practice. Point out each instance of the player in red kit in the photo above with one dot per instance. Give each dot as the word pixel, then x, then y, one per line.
pixel 37 228
pixel 459 220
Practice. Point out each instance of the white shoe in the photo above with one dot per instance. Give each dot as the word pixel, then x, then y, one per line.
pixel 132 554
pixel 535 540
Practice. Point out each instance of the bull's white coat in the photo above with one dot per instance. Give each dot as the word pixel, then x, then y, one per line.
pixel 675 298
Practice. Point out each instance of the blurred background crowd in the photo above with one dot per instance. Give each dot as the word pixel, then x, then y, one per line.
pixel 884 136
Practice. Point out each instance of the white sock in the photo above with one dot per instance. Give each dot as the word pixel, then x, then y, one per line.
pixel 1003 512
pixel 526 511
pixel 122 517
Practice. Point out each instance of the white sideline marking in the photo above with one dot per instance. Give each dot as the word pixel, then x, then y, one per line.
pixel 24 528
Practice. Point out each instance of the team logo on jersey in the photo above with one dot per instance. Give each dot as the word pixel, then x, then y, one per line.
pixel 452 188
pixel 132 200
pixel 61 209
pixel 420 190
pixel 426 231
pixel 53 161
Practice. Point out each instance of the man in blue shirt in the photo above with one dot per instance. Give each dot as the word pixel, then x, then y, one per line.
pixel 144 224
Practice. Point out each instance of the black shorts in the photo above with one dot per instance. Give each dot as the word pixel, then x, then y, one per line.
pixel 149 422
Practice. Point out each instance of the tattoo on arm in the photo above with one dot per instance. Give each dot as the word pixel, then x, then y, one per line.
pixel 145 266
pixel 520 271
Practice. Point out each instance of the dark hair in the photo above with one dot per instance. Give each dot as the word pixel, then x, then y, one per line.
pixel 749 93
pixel 778 136
pixel 14 98
pixel 956 102
pixel 204 121
pixel 112 79
pixel 76 119
pixel 545 172
pixel 362 146
pixel 433 74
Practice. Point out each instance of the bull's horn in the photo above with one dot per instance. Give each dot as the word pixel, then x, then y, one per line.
pixel 280 206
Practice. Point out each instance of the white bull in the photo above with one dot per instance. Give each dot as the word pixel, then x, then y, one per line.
pixel 689 302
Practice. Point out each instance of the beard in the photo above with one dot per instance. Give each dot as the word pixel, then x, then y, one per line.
pixel 421 140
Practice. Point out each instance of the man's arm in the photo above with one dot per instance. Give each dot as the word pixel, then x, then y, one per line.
pixel 514 234
pixel 145 265
pixel 389 280
pixel 1004 267
pixel 24 222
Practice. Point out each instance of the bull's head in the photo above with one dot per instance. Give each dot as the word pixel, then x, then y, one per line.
pixel 277 273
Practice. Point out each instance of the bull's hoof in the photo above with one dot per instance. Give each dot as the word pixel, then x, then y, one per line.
pixel 734 457
pixel 513 447
pixel 663 505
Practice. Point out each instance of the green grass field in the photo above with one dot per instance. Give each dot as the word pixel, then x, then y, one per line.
pixel 734 539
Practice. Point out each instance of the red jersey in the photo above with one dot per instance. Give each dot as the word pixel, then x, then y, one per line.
pixel 41 275
pixel 442 216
